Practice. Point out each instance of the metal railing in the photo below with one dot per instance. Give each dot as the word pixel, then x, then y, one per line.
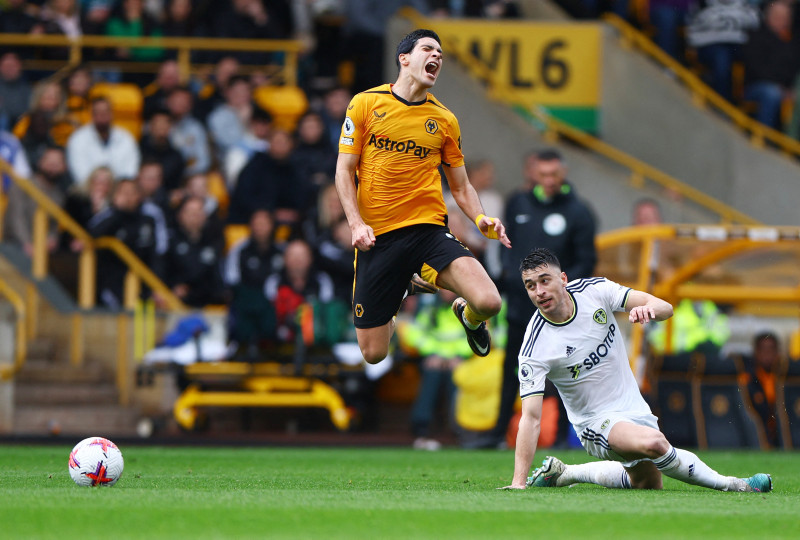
pixel 138 274
pixel 291 50
pixel 721 243
pixel 640 172
pixel 702 94
pixel 20 337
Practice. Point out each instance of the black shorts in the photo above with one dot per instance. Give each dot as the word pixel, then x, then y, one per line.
pixel 383 272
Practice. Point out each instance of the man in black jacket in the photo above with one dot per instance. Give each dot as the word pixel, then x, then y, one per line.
pixel 550 216
pixel 125 220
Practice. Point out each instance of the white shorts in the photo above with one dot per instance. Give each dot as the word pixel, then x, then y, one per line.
pixel 594 435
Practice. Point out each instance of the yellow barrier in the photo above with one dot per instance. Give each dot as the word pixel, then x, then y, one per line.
pixel 264 392
pixel 696 249
pixel 640 171
pixel 701 93
pixel 20 337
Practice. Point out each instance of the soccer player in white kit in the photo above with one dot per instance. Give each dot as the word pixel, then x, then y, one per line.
pixel 573 340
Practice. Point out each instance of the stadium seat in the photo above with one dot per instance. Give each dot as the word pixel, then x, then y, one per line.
pixel 727 420
pixel 788 405
pixel 127 103
pixel 218 190
pixel 234 234
pixel 673 398
pixel 286 104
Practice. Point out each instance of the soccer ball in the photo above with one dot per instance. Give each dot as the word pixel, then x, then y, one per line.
pixel 95 462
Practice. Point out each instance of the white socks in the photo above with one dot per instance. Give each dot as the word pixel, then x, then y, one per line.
pixel 608 474
pixel 685 466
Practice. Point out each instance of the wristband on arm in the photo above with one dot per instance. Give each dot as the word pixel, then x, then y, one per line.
pixel 490 232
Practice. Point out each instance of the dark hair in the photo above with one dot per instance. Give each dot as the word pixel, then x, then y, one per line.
pixel 549 154
pixel 765 336
pixel 100 99
pixel 539 257
pixel 408 43
pixel 236 79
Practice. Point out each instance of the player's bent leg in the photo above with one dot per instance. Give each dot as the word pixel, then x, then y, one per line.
pixel 644 475
pixel 555 473
pixel 634 441
pixel 467 278
pixel 374 342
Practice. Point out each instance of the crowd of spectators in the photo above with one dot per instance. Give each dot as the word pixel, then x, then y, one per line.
pixel 746 50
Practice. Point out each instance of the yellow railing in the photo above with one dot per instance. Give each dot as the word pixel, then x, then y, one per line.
pixel 184 47
pixel 701 93
pixel 720 243
pixel 553 128
pixel 20 339
pixel 138 273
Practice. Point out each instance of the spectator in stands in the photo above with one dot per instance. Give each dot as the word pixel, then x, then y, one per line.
pixel 299 282
pixel 132 21
pixel 49 173
pixel 192 263
pixel 322 218
pixel 16 19
pixel 335 103
pixel 646 212
pixel 227 123
pixel 78 104
pixel 12 152
pixel 437 337
pixel 180 19
pixel 86 201
pixel 247 266
pixel 760 378
pixel 315 156
pixel 246 19
pixel 156 146
pixel 124 220
pixel 47 102
pixel 456 9
pixel 269 180
pixel 771 63
pixel 551 216
pixel 155 94
pixel 61 17
pixel 256 139
pixel 363 33
pixel 213 93
pixel 188 134
pixel 95 15
pixel 15 91
pixel 101 143
pixel 668 17
pixel 198 186
pixel 154 203
pixel 718 30
pixel 334 254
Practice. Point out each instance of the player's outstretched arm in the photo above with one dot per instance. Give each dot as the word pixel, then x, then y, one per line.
pixel 467 199
pixel 362 235
pixel 527 439
pixel 643 307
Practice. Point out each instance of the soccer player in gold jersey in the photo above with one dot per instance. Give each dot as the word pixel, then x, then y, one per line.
pixel 393 140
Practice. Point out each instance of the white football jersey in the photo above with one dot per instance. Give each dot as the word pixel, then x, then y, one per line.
pixel 584 357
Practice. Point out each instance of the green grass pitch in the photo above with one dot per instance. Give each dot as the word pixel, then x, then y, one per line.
pixel 355 493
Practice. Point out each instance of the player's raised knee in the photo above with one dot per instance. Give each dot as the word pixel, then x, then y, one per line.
pixel 655 444
pixel 374 354
pixel 489 303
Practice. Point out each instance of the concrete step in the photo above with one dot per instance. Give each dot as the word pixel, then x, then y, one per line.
pixel 42 394
pixel 45 371
pixel 76 420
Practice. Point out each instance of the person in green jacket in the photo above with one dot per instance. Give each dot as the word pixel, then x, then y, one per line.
pixel 134 22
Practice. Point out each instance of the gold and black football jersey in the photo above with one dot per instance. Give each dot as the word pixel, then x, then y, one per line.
pixel 401 146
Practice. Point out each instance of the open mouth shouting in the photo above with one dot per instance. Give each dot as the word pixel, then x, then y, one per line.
pixel 432 69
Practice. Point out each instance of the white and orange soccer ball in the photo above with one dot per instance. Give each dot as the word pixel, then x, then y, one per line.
pixel 95 461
